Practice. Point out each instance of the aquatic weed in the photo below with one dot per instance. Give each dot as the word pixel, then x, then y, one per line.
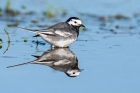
pixel 0 46
pixel 12 25
pixel 53 11
pixel 25 39
pixel 119 16
pixel 7 6
pixel 35 21
pixel 9 11
pixel 49 12
pixel 0 40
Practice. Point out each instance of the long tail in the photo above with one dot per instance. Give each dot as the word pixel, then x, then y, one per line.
pixel 21 64
pixel 30 30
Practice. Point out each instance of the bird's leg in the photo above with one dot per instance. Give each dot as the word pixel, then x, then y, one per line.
pixel 36 39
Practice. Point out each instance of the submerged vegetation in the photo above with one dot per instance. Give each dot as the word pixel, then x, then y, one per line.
pixel 14 17
pixel 53 11
pixel 0 40
pixel 0 46
pixel 49 13
pixel 25 39
pixel 119 16
pixel 7 7
pixel 10 11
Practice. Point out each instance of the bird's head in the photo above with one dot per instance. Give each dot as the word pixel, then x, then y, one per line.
pixel 74 21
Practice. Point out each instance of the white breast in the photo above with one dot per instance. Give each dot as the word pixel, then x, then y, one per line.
pixel 64 43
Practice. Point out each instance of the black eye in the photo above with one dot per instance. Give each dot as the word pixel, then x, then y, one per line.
pixel 73 72
pixel 75 22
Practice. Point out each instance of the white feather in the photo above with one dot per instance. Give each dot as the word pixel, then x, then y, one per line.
pixel 62 62
pixel 64 34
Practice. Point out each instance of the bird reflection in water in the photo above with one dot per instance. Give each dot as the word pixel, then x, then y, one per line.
pixel 61 59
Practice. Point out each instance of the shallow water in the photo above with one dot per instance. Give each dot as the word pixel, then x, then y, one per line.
pixel 108 50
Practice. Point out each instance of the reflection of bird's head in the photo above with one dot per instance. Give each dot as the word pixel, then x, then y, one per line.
pixel 73 73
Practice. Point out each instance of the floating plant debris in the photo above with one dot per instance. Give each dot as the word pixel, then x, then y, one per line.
pixel 9 11
pixel 103 18
pixel 119 16
pixel 49 14
pixel 35 21
pixel 0 40
pixel 114 32
pixel 14 24
pixel 0 46
pixel 25 39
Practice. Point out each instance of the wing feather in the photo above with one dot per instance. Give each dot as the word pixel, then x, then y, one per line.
pixel 63 33
pixel 56 32
pixel 52 31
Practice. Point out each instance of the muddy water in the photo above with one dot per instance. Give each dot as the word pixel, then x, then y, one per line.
pixel 107 52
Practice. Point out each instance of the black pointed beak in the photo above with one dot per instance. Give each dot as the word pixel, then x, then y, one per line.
pixel 82 25
pixel 81 70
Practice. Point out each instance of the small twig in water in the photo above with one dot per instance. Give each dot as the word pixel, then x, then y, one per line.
pixel 7 35
pixel 8 41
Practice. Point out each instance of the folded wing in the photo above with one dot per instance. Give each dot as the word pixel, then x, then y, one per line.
pixel 55 32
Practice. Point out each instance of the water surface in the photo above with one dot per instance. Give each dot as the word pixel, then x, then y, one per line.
pixel 108 50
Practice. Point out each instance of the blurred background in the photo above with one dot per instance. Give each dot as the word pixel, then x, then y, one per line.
pixel 108 49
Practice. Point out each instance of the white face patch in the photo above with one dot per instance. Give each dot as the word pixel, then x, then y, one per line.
pixel 75 22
